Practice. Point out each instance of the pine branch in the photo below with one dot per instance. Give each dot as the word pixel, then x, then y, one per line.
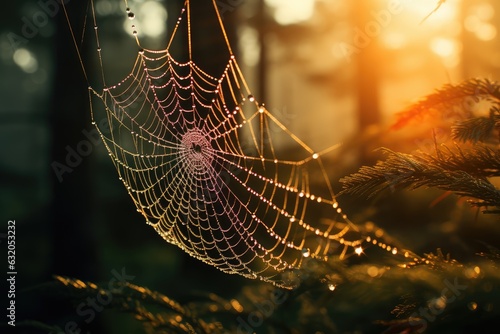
pixel 477 129
pixel 172 317
pixel 474 129
pixel 445 99
pixel 456 296
pixel 436 293
pixel 463 174
pixel 480 162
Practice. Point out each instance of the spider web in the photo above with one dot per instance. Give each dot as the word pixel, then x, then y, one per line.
pixel 196 153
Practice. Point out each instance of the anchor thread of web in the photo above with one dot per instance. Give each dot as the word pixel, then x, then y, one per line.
pixel 198 157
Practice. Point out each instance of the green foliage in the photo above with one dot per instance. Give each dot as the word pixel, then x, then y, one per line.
pixel 464 173
pixel 477 128
pixel 374 293
pixel 426 294
pixel 464 170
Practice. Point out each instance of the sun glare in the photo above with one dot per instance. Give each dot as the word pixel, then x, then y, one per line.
pixel 291 11
pixel 151 20
pixel 478 21
pixel 447 10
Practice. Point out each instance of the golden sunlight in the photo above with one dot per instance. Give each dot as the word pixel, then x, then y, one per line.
pixel 291 11
pixel 479 21
pixel 447 49
pixel 433 11
pixel 431 29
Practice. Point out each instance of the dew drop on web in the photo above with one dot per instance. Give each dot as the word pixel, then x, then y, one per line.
pixel 203 191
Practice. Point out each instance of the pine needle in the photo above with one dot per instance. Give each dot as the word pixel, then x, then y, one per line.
pixel 462 173
pixel 477 129
pixel 447 99
pixel 439 4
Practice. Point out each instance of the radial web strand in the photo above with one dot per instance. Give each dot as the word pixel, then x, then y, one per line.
pixel 200 158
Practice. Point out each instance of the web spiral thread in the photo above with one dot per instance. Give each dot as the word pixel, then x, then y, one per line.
pixel 196 153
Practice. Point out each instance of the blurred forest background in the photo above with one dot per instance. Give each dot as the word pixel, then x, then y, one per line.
pixel 332 71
